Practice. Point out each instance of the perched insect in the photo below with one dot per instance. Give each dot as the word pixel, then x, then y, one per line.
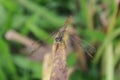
pixel 60 34
pixel 88 49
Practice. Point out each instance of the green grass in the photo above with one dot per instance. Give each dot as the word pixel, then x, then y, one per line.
pixel 41 17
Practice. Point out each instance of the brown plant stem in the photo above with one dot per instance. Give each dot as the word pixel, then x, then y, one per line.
pixel 59 69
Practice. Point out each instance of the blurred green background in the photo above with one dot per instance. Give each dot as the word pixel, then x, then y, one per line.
pixel 96 21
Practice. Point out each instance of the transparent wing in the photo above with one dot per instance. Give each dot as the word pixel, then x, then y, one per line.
pixel 86 46
pixel 35 46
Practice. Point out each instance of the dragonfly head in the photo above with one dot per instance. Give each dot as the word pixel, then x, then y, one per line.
pixel 58 39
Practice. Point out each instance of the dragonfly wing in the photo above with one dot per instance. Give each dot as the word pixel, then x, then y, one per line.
pixel 35 46
pixel 87 47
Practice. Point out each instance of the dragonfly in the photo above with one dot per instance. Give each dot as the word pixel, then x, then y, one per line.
pixel 87 49
pixel 61 32
pixel 60 35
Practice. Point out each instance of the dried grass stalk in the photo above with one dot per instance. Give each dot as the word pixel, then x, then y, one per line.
pixel 59 69
pixel 104 22
pixel 14 36
pixel 47 67
pixel 32 48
